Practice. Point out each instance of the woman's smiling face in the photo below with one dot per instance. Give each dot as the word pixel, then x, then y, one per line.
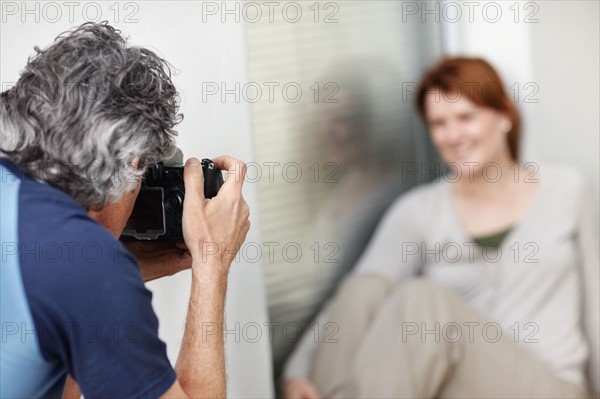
pixel 465 133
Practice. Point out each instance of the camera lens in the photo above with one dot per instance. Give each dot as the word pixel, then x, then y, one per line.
pixel 173 202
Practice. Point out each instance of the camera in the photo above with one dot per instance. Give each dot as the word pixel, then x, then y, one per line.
pixel 158 210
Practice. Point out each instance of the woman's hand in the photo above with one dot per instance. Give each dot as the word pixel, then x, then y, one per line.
pixel 159 258
pixel 297 388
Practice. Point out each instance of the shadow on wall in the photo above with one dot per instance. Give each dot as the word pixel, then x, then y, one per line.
pixel 362 132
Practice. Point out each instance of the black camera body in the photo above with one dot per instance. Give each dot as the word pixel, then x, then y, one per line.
pixel 158 210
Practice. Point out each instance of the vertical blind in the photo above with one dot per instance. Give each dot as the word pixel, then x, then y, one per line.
pixel 332 97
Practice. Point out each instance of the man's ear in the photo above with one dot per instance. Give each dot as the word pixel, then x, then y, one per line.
pixel 135 162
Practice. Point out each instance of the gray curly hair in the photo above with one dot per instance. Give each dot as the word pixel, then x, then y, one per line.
pixel 84 108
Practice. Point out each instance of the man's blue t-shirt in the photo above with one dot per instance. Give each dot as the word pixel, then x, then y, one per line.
pixel 72 301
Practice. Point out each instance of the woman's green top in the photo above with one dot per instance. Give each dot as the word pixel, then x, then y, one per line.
pixel 493 239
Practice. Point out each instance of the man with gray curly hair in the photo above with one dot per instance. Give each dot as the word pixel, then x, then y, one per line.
pixel 86 117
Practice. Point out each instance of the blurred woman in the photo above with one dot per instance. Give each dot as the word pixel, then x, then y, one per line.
pixel 507 303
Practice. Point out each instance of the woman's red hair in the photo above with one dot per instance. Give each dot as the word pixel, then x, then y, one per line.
pixel 476 79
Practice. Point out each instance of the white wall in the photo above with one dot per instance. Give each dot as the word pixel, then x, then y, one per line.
pixel 497 38
pixel 211 51
pixel 550 50
pixel 565 52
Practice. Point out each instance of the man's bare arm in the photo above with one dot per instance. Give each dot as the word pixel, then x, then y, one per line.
pixel 201 362
pixel 213 231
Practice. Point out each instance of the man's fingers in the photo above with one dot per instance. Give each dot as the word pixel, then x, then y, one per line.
pixel 236 170
pixel 193 178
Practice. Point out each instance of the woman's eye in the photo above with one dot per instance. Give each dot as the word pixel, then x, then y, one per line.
pixel 466 117
pixel 436 123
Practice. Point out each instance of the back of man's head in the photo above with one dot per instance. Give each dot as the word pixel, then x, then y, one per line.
pixel 84 108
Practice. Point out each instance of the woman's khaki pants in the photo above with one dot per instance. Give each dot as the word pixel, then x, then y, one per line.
pixel 419 340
